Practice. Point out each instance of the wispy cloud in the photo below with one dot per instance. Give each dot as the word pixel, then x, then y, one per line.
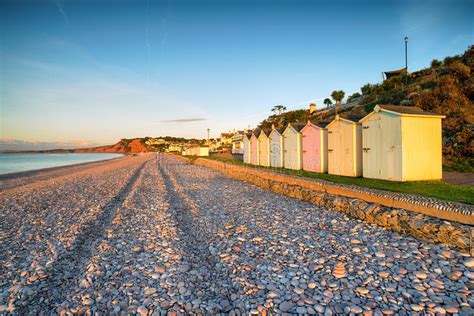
pixel 61 10
pixel 17 144
pixel 185 120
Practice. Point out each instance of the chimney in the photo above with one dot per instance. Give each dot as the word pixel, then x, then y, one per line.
pixel 312 108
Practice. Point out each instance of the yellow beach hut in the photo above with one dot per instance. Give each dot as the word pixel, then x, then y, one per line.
pixel 345 146
pixel 276 148
pixel 402 143
pixel 292 153
pixel 246 140
pixel 264 148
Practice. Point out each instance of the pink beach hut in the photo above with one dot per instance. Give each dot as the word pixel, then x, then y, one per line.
pixel 254 147
pixel 314 139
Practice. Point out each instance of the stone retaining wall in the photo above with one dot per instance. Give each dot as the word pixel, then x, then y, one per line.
pixel 364 206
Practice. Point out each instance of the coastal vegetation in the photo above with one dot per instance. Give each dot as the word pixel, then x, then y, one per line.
pixel 446 87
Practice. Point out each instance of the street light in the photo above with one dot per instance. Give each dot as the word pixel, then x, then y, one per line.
pixel 208 142
pixel 406 61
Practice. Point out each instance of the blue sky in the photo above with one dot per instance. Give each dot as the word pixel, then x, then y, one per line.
pixel 92 72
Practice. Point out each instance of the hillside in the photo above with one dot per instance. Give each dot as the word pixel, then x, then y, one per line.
pixel 446 87
pixel 126 146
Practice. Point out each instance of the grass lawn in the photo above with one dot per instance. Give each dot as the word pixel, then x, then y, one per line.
pixel 436 189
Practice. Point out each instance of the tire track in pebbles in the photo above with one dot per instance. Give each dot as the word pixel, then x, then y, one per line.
pixel 219 290
pixel 63 272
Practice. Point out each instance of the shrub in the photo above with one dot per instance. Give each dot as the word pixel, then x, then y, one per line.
pixel 460 70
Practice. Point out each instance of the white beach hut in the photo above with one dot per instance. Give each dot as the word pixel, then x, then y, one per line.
pixel 292 153
pixel 246 141
pixel 264 148
pixel 254 147
pixel 402 143
pixel 276 148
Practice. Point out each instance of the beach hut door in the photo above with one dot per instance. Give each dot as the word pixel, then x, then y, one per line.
pixel 370 148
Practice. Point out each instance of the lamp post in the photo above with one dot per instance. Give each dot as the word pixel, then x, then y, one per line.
pixel 208 142
pixel 406 61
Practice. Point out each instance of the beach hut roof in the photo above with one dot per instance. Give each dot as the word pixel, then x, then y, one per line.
pixel 296 126
pixel 267 131
pixel 257 132
pixel 401 111
pixel 320 124
pixel 279 130
pixel 348 118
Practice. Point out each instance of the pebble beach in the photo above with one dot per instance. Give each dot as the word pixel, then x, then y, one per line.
pixel 156 235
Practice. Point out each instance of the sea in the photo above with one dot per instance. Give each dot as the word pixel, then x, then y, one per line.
pixel 25 162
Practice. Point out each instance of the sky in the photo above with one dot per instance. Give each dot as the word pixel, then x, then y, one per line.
pixel 80 73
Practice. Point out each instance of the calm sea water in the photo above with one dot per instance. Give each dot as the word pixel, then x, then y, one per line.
pixel 24 162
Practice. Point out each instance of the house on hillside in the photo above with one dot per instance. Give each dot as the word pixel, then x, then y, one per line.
pixel 402 143
pixel 173 148
pixel 292 153
pixel 264 148
pixel 314 140
pixel 238 142
pixel 276 147
pixel 345 146
pixel 226 139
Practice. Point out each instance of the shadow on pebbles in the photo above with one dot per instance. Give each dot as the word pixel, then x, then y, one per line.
pixel 155 235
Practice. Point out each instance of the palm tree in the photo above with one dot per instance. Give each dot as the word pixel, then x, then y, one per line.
pixel 279 109
pixel 338 95
pixel 328 102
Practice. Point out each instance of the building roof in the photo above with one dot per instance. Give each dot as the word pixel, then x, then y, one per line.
pixel 407 110
pixel 394 73
pixel 297 126
pixel 257 132
pixel 402 111
pixel 279 130
pixel 267 132
pixel 351 117
pixel 321 124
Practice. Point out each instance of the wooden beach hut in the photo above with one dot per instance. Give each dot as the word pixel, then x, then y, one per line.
pixel 276 148
pixel 314 140
pixel 246 140
pixel 199 151
pixel 264 148
pixel 345 146
pixel 292 153
pixel 402 143
pixel 254 147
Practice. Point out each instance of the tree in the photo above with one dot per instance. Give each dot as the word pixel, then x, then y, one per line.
pixel 353 97
pixel 278 109
pixel 328 102
pixel 366 89
pixel 338 95
pixel 435 63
